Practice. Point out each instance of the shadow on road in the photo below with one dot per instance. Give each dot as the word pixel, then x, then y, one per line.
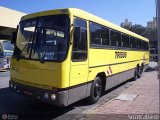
pixel 14 104
pixel 151 69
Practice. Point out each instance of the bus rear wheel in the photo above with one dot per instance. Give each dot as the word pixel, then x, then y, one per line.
pixel 136 73
pixel 140 71
pixel 96 91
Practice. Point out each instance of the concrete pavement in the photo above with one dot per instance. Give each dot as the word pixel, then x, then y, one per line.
pixel 144 106
pixel 4 79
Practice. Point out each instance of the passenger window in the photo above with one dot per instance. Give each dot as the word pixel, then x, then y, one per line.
pixel 118 38
pixel 105 36
pixel 81 23
pixel 146 46
pixel 80 40
pixel 113 38
pixel 132 42
pixel 125 40
pixel 142 44
pixel 138 43
pixel 95 34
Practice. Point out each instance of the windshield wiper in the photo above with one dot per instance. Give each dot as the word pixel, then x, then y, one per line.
pixel 21 51
pixel 38 50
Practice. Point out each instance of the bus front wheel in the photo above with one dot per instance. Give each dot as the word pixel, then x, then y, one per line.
pixel 96 90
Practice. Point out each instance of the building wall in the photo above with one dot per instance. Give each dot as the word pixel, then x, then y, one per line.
pixel 152 24
pixel 9 20
pixel 126 23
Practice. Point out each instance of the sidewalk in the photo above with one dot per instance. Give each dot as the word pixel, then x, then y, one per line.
pixel 146 102
pixel 153 65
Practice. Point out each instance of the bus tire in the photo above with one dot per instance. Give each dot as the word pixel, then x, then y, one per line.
pixel 96 90
pixel 140 72
pixel 136 73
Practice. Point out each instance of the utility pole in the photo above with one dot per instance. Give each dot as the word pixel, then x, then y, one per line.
pixel 158 27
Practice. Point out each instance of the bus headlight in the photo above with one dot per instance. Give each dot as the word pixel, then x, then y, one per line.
pixel 53 96
pixel 46 95
pixel 15 87
pixel 18 91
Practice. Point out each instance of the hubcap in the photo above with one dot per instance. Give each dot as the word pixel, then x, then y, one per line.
pixel 97 90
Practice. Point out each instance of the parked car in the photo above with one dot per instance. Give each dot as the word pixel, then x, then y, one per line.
pixel 6 52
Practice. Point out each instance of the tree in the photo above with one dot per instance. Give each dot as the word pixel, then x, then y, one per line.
pixel 151 34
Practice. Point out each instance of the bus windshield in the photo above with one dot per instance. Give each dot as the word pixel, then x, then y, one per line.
pixel 44 38
pixel 7 45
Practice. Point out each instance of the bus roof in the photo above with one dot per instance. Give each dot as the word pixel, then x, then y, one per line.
pixel 84 15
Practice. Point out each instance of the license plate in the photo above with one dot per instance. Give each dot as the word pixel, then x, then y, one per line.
pixel 27 93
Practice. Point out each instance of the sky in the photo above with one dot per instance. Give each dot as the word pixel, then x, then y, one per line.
pixel 115 11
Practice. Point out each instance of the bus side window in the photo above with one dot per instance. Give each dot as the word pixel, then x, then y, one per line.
pixel 125 40
pixel 95 34
pixel 138 43
pixel 113 38
pixel 79 52
pixel 132 42
pixel 147 46
pixel 144 45
pixel 105 36
pixel 118 37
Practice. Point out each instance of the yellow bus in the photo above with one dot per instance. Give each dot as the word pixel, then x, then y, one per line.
pixel 65 55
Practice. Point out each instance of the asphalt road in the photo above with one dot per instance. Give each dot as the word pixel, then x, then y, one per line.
pixel 18 106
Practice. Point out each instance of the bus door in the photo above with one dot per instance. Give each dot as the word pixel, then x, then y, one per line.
pixel 79 61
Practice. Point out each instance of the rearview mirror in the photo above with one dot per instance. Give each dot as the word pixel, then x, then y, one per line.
pixel 14 37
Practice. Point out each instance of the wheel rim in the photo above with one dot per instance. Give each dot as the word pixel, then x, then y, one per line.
pixel 97 90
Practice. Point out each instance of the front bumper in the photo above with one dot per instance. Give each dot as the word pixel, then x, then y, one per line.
pixel 59 98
